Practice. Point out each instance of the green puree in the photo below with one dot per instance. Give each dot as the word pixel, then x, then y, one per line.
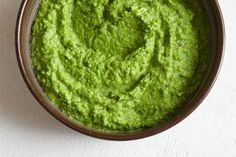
pixel 120 65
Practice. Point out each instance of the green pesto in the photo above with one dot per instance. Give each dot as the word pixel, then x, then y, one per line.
pixel 120 65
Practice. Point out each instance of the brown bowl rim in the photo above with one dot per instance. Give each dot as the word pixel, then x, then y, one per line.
pixel 125 136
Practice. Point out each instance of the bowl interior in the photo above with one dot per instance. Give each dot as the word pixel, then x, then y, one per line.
pixel 25 19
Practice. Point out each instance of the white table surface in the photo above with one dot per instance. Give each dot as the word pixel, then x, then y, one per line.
pixel 27 130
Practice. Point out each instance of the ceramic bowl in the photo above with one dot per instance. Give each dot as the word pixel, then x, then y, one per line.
pixel 23 30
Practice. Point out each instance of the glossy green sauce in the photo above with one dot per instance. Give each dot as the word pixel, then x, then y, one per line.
pixel 120 65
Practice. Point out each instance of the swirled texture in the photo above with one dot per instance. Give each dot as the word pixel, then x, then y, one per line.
pixel 120 65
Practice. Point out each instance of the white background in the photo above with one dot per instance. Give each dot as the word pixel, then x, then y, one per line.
pixel 27 130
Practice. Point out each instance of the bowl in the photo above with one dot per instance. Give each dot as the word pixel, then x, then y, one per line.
pixel 23 30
